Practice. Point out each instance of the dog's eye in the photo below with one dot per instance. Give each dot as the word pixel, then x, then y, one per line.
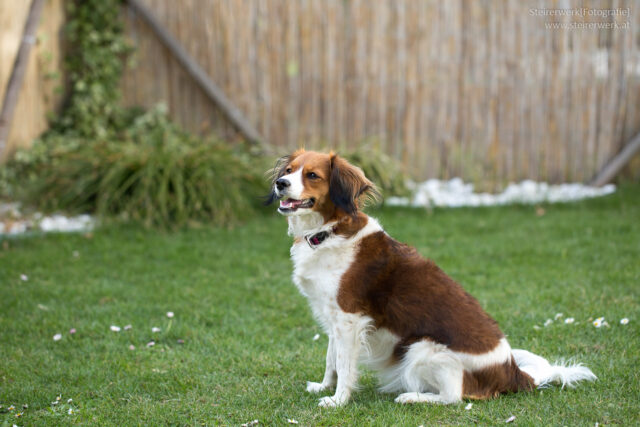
pixel 288 170
pixel 312 175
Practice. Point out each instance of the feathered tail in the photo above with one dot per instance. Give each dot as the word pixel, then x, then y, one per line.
pixel 544 373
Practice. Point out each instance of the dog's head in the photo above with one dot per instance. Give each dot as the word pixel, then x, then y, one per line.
pixel 308 181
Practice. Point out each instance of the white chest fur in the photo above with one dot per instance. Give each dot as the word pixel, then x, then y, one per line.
pixel 317 272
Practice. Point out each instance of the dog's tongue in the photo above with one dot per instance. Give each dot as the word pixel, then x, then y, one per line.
pixel 290 203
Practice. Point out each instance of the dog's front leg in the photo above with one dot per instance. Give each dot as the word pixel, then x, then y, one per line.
pixel 346 339
pixel 329 379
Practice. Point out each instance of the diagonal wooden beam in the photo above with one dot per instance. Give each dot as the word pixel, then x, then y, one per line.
pixel 213 92
pixel 615 165
pixel 17 74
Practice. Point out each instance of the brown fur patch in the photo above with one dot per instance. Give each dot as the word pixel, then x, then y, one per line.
pixel 495 380
pixel 414 299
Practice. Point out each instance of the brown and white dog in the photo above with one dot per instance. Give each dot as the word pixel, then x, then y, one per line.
pixel 379 300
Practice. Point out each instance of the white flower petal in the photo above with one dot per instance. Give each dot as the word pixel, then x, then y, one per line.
pixel 569 320
pixel 558 315
pixel 548 322
pixel 292 421
pixel 316 337
pixel 468 407
pixel 170 314
pixel 128 327
pixel 624 321
pixel 24 277
pixel 115 328
pixel 510 419
pixel 57 337
pixel 155 329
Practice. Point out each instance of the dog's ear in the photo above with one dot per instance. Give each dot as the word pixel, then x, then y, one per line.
pixel 348 185
pixel 276 172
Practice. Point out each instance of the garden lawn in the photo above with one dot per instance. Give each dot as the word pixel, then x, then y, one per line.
pixel 241 346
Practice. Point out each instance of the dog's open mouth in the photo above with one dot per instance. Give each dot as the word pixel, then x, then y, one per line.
pixel 291 205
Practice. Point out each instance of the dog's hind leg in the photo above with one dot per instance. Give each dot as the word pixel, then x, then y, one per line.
pixel 431 373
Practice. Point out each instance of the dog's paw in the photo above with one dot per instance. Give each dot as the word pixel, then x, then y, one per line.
pixel 411 397
pixel 327 402
pixel 414 397
pixel 315 387
pixel 331 402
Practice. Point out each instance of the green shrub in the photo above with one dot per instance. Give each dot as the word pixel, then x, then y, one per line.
pixel 383 170
pixel 153 173
pixel 104 159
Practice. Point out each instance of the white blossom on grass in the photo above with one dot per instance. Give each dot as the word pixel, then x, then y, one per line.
pixel 316 337
pixel 24 277
pixel 624 321
pixel 598 322
pixel 291 421
pixel 548 322
pixel 57 337
pixel 510 419
pixel 155 329
pixel 468 407
pixel 170 314
pixel 557 316
pixel 70 411
pixel 151 343
pixel 128 327
pixel 115 328
pixel 569 320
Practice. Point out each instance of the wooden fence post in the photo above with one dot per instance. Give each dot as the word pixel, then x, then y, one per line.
pixel 213 92
pixel 17 74
pixel 614 166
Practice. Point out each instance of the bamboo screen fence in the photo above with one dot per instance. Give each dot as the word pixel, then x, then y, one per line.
pixel 482 89
pixel 478 89
pixel 39 95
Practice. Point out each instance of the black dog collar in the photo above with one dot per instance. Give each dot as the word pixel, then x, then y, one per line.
pixel 315 240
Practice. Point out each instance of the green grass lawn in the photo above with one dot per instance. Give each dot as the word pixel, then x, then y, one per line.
pixel 247 334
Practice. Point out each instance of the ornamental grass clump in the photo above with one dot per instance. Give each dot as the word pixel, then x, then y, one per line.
pixel 151 172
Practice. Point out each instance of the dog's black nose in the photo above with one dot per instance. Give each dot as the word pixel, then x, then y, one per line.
pixel 282 183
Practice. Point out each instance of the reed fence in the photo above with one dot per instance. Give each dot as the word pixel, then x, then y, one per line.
pixel 484 90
